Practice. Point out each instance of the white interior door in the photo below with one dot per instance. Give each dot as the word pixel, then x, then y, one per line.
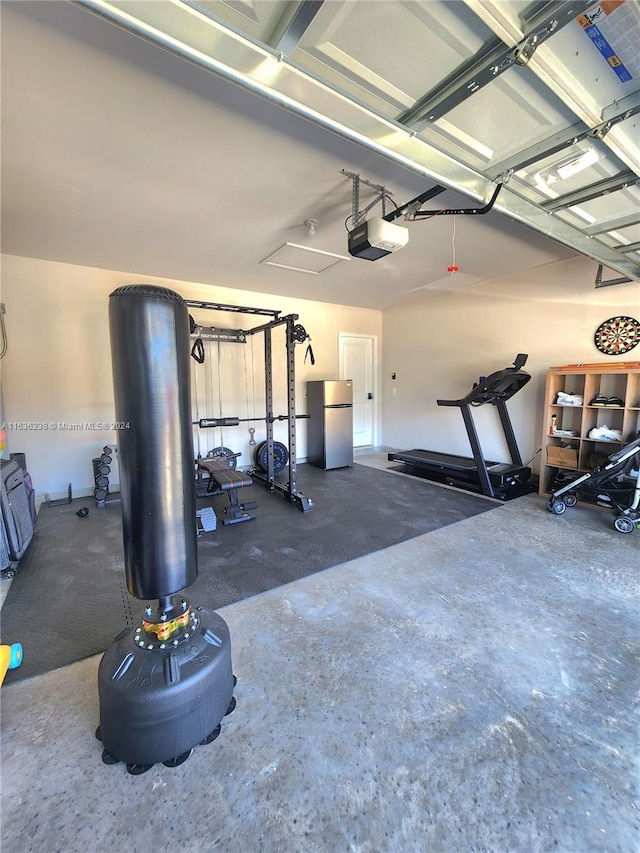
pixel 358 363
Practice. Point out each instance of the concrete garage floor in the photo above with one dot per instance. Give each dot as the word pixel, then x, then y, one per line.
pixel 474 689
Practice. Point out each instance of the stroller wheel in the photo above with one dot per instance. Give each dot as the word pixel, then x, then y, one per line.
pixel 570 499
pixel 556 506
pixel 623 524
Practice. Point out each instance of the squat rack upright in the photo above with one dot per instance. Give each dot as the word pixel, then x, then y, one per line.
pixel 293 333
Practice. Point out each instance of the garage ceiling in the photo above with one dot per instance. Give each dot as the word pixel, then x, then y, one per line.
pixel 469 92
pixel 448 99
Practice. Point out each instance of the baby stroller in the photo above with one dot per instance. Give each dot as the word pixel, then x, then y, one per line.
pixel 616 484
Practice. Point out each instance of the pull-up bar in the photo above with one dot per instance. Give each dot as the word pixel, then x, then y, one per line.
pixel 234 309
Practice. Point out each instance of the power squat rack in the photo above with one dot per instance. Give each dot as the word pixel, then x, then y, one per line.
pixel 295 333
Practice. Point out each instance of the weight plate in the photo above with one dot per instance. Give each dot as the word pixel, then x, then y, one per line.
pixel 261 446
pixel 280 456
pixel 232 460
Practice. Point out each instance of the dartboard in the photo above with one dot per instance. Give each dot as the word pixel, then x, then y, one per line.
pixel 617 335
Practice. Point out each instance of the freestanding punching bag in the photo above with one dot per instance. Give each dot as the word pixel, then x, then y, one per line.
pixel 166 684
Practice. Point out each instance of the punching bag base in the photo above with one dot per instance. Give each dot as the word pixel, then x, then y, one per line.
pixel 158 700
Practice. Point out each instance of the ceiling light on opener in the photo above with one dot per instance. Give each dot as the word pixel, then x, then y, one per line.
pixel 311 226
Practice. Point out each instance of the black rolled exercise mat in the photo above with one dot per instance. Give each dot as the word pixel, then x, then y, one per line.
pixel 69 599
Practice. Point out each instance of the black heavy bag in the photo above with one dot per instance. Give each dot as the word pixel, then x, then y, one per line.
pixel 150 356
pixel 166 684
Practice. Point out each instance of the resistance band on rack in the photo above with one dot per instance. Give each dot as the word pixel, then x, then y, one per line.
pixel 195 394
pixel 220 392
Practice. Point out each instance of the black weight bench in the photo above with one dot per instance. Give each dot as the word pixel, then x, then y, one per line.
pixel 222 478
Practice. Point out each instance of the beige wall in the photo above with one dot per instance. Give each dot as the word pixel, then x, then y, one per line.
pixel 439 345
pixel 58 365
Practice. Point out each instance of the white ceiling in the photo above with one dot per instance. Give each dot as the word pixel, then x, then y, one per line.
pixel 120 155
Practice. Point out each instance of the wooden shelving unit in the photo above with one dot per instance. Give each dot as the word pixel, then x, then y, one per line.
pixel 610 379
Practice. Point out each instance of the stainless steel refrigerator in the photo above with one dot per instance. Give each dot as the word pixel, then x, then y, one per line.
pixel 330 431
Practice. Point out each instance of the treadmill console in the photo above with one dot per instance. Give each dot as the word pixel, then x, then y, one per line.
pixel 501 385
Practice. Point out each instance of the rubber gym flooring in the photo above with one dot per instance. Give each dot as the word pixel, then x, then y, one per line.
pixel 71 582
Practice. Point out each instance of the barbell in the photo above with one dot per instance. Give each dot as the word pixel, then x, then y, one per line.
pixel 205 423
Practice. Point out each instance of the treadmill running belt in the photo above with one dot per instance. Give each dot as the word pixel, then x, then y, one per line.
pixel 450 461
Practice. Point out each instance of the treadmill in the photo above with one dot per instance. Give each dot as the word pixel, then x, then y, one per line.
pixel 494 479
